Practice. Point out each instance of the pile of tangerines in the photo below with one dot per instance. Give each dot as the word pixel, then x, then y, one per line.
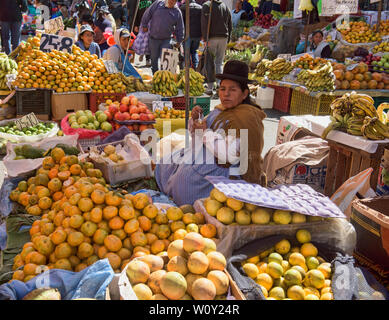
pixel 82 221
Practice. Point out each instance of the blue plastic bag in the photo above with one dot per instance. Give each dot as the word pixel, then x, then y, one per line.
pixel 141 43
pixel 91 282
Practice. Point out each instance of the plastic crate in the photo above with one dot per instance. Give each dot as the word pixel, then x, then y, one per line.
pixel 96 98
pixel 35 100
pixel 282 97
pixel 179 103
pixel 302 103
pixel 122 172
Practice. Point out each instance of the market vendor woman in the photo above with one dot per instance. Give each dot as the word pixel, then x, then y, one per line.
pixel 183 178
pixel 319 47
pixel 85 40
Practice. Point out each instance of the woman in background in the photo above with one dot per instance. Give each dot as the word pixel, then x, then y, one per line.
pixel 85 40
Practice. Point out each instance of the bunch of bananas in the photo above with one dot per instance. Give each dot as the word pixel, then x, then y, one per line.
pixel 7 66
pixel 196 82
pixel 133 84
pixel 321 78
pixel 278 68
pixel 355 114
pixel 262 67
pixel 164 84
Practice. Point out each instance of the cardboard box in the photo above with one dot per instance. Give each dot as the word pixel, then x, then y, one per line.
pixel 65 103
pixel 314 176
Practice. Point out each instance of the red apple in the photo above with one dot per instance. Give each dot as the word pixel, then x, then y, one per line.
pixel 133 100
pixel 135 116
pixel 108 114
pixel 144 117
pixel 123 107
pixel 126 116
pixel 151 116
pixel 133 109
pixel 119 116
pixel 113 109
pixel 142 109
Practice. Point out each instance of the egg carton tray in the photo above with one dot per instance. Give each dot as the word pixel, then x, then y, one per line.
pixel 299 198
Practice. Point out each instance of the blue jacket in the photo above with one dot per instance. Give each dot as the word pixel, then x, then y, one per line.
pixel 93 49
pixel 164 22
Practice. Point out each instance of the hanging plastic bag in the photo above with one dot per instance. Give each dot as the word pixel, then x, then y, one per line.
pixel 306 5
pixel 141 43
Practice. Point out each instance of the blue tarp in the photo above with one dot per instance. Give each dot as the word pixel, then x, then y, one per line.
pixel 158 197
pixel 88 283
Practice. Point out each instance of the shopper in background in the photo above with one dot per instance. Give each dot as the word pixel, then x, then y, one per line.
pixel 246 6
pixel 165 20
pixel 103 24
pixel 85 40
pixel 63 9
pixel 117 11
pixel 219 33
pixel 193 42
pixel 11 19
pixel 143 6
pixel 238 14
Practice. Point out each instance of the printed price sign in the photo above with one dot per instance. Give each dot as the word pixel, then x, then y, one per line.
pixel 110 66
pixel 54 42
pixel 286 56
pixel 54 25
pixel 159 105
pixel 333 7
pixel 374 1
pixel 27 121
pixel 169 60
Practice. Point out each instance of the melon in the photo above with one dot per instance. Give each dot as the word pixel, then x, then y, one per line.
pixel 203 289
pixel 198 262
pixel 173 285
pixel 138 272
pixel 193 242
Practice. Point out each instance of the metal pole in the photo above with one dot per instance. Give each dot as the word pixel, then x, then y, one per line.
pixel 306 32
pixel 379 16
pixel 132 27
pixel 187 66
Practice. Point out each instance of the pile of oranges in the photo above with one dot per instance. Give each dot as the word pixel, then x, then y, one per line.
pixel 64 72
pixel 307 62
pixel 358 32
pixel 384 27
pixel 82 221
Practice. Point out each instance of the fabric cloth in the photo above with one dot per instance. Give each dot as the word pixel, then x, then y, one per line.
pixel 217 47
pixel 93 48
pixel 236 16
pixel 117 55
pixel 91 282
pixel 221 23
pixel 194 18
pixel 156 46
pixel 11 10
pixel 164 22
pixel 308 150
pixel 10 35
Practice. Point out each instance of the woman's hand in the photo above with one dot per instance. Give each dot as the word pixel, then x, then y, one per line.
pixel 196 111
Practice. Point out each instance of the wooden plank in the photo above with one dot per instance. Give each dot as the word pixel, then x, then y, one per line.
pixel 375 164
pixel 330 175
pixel 238 295
pixel 365 163
pixel 355 163
pixel 340 167
pixel 348 166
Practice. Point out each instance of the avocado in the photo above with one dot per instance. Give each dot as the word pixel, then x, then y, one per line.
pixel 30 152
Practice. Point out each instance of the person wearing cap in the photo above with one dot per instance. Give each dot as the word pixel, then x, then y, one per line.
pixel 85 40
pixel 213 154
pixel 117 53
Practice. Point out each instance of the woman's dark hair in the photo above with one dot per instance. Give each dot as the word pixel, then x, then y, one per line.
pixel 87 18
pixel 316 32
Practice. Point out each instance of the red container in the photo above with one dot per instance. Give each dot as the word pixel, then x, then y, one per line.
pixel 96 98
pixel 282 97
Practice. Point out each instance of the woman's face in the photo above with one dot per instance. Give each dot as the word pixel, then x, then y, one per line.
pixel 317 38
pixel 87 38
pixel 231 94
pixel 124 42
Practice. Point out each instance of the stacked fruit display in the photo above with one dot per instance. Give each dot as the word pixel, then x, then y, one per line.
pixel 191 268
pixel 166 113
pixel 7 66
pixel 382 47
pixel 130 109
pixel 40 128
pixel 64 72
pixel 277 68
pixel 164 84
pixel 286 273
pixel 196 82
pixel 381 63
pixel 358 32
pixel 320 78
pixel 370 58
pixel 384 27
pixel 359 78
pixel 87 120
pixel 82 221
pixel 355 114
pixel 265 21
pixel 134 84
pixel 234 212
pixel 307 62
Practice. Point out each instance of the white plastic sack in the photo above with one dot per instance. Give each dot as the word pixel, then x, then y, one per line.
pixel 22 166
pixel 333 232
pixel 170 143
pixel 28 139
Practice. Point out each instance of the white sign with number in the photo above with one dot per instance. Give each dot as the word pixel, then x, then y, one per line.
pixel 169 60
pixel 159 105
pixel 333 7
pixel 43 14
pixel 54 42
pixel 27 121
pixel 110 66
pixel 54 25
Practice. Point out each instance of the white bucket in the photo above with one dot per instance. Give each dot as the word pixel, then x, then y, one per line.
pixel 265 97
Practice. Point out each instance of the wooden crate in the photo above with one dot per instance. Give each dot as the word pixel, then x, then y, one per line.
pixel 345 161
